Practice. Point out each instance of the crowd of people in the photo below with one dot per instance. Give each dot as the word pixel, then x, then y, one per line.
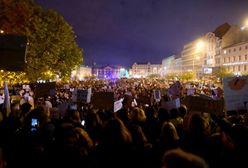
pixel 55 131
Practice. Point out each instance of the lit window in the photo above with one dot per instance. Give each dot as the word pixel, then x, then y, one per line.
pixel 224 51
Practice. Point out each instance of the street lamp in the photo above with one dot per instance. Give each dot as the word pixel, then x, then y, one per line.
pixel 245 26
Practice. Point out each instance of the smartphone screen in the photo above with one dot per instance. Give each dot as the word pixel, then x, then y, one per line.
pixel 83 122
pixel 34 124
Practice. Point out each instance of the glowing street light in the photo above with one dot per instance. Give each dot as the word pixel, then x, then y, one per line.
pixel 245 26
pixel 1 31
pixel 199 46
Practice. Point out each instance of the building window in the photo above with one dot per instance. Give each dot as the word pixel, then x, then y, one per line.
pixel 240 58
pixel 229 59
pixel 234 59
pixel 224 51
pixel 246 47
pixel 224 60
pixel 229 51
pixel 245 67
pixel 240 48
pixel 245 56
pixel 234 49
pixel 239 68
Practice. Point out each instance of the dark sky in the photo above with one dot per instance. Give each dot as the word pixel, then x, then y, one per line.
pixel 121 32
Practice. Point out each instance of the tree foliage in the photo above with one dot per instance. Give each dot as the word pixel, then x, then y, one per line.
pixel 187 76
pixel 52 50
pixel 152 76
pixel 222 72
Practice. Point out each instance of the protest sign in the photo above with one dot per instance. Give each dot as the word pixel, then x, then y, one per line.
pixel 45 89
pixel 174 90
pixel 168 105
pixel 103 100
pixel 83 95
pixel 157 95
pixel 235 92
pixel 190 91
pixel 118 105
pixel 202 103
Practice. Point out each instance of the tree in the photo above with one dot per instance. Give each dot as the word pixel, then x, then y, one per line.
pixel 153 76
pixel 52 50
pixel 171 76
pixel 187 76
pixel 222 72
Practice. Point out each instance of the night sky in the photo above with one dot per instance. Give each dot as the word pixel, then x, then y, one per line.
pixel 121 32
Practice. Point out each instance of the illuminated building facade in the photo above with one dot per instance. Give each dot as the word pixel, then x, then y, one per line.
pixel 199 55
pixel 172 64
pixel 81 73
pixel 226 46
pixel 235 58
pixel 110 72
pixel 144 70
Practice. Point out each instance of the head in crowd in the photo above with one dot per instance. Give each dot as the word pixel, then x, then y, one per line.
pixel 139 138
pixel 169 134
pixel 174 113
pixel 138 115
pixel 197 124
pixel 25 108
pixel 116 133
pixel 2 159
pixel 182 110
pixel 176 158
pixel 163 115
